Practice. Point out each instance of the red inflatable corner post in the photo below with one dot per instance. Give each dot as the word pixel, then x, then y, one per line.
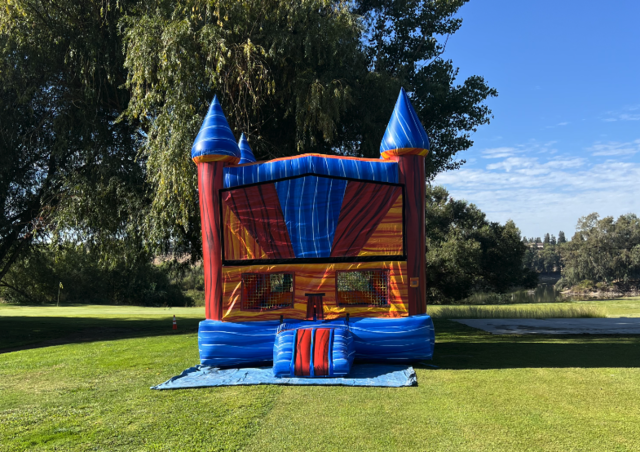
pixel 210 182
pixel 412 175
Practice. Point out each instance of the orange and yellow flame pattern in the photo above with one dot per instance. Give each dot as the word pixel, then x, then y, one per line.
pixel 314 278
pixel 386 240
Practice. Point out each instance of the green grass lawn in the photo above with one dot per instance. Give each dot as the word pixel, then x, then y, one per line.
pixel 487 392
pixel 521 311
pixel 32 325
pixel 622 307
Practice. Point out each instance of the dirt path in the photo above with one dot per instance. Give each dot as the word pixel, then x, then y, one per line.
pixel 620 325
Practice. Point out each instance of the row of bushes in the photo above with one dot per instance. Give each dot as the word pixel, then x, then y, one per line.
pixel 586 286
pixel 86 277
pixel 136 280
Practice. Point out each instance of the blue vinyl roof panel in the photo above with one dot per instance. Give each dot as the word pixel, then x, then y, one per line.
pixel 358 169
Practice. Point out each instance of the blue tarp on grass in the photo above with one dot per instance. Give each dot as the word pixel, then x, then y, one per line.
pixel 375 375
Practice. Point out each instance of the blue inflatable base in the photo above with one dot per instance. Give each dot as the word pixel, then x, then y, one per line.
pixel 374 375
pixel 250 344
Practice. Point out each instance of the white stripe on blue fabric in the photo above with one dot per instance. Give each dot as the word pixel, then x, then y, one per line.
pixel 355 169
pixel 311 208
pixel 314 219
pixel 404 129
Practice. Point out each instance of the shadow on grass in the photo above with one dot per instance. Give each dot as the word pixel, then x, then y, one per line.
pixel 461 347
pixel 457 346
pixel 21 333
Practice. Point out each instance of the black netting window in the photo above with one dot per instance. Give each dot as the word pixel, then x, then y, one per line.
pixel 264 291
pixel 363 288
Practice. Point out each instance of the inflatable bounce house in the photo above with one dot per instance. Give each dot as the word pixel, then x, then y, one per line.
pixel 315 260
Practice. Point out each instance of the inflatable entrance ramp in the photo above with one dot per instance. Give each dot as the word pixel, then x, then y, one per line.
pixel 313 352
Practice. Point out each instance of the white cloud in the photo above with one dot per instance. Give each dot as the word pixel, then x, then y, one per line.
pixel 530 148
pixel 623 115
pixel 560 124
pixel 530 174
pixel 498 153
pixel 548 195
pixel 628 117
pixel 565 163
pixel 531 166
pixel 514 163
pixel 614 148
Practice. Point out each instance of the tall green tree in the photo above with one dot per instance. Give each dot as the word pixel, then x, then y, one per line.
pixel 603 250
pixel 561 237
pixel 280 69
pixel 546 259
pixel 406 41
pixel 310 76
pixel 66 163
pixel 467 253
pixel 100 101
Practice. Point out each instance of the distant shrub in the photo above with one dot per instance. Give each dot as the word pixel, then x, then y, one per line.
pixel 197 296
pixel 585 285
pixel 562 284
pixel 188 277
pixel 482 298
pixel 543 293
pixel 89 278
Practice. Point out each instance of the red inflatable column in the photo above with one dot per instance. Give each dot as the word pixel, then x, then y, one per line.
pixel 209 185
pixel 411 169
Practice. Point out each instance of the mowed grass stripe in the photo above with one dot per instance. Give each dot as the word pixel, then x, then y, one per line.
pixel 486 393
pixel 511 409
pixel 96 396
pixel 546 311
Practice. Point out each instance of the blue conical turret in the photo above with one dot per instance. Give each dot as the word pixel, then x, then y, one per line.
pixel 246 154
pixel 215 141
pixel 405 133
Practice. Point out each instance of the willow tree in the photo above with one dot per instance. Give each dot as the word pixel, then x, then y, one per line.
pixel 280 69
pixel 602 250
pixel 66 164
pixel 100 101
pixel 296 77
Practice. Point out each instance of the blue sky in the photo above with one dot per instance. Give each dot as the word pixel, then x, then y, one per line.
pixel 565 138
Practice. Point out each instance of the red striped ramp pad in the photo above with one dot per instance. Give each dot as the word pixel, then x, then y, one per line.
pixel 313 352
pixel 319 350
pixel 303 353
